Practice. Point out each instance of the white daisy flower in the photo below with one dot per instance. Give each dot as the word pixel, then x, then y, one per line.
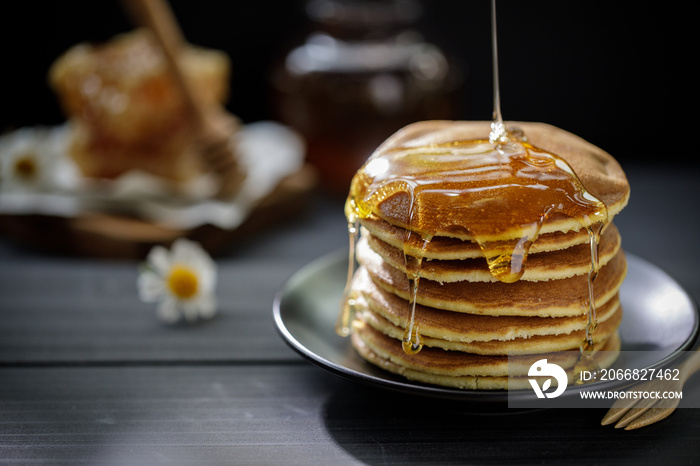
pixel 23 163
pixel 182 281
pixel 34 159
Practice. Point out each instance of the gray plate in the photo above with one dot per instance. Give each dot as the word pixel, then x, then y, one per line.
pixel 661 321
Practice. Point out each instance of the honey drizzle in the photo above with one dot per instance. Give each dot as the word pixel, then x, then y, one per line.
pixel 412 342
pixel 343 325
pixel 594 240
pixel 586 362
pixel 499 133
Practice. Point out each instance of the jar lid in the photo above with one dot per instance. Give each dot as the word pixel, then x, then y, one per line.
pixel 364 13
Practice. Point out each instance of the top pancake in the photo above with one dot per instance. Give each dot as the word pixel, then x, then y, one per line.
pixel 598 172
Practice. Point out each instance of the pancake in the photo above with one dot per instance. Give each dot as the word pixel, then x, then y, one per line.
pixel 563 263
pixel 534 344
pixel 449 248
pixel 466 328
pixel 554 298
pixel 463 370
pixel 597 170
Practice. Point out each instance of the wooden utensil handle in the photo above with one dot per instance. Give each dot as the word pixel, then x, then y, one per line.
pixel 160 19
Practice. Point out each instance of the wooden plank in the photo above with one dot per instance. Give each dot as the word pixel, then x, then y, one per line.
pixel 224 415
pixel 77 312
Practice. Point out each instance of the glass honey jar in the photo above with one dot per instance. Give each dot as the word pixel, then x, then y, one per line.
pixel 363 72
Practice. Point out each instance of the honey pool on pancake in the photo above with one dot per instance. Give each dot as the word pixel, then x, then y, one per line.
pixel 498 190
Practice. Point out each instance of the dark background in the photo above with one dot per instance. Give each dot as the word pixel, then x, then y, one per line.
pixel 616 73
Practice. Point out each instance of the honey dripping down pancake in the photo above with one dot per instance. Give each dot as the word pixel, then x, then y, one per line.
pixel 454 181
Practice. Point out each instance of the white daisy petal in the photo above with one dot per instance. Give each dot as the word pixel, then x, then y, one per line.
pixel 168 310
pixel 207 280
pixel 159 259
pixel 206 261
pixel 150 286
pixel 186 252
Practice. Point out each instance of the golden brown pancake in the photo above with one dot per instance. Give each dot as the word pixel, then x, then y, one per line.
pixel 464 370
pixel 598 171
pixel 534 344
pixel 555 298
pixel 563 263
pixel 449 248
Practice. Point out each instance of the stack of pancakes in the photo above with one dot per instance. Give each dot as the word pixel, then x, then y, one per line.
pixel 469 321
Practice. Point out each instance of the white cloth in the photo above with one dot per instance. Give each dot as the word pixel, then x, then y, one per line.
pixel 269 152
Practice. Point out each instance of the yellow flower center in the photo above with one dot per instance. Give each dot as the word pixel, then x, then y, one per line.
pixel 183 282
pixel 25 167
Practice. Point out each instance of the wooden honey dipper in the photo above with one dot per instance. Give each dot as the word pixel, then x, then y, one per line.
pixel 213 125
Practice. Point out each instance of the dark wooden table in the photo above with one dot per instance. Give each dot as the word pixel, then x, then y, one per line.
pixel 88 375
